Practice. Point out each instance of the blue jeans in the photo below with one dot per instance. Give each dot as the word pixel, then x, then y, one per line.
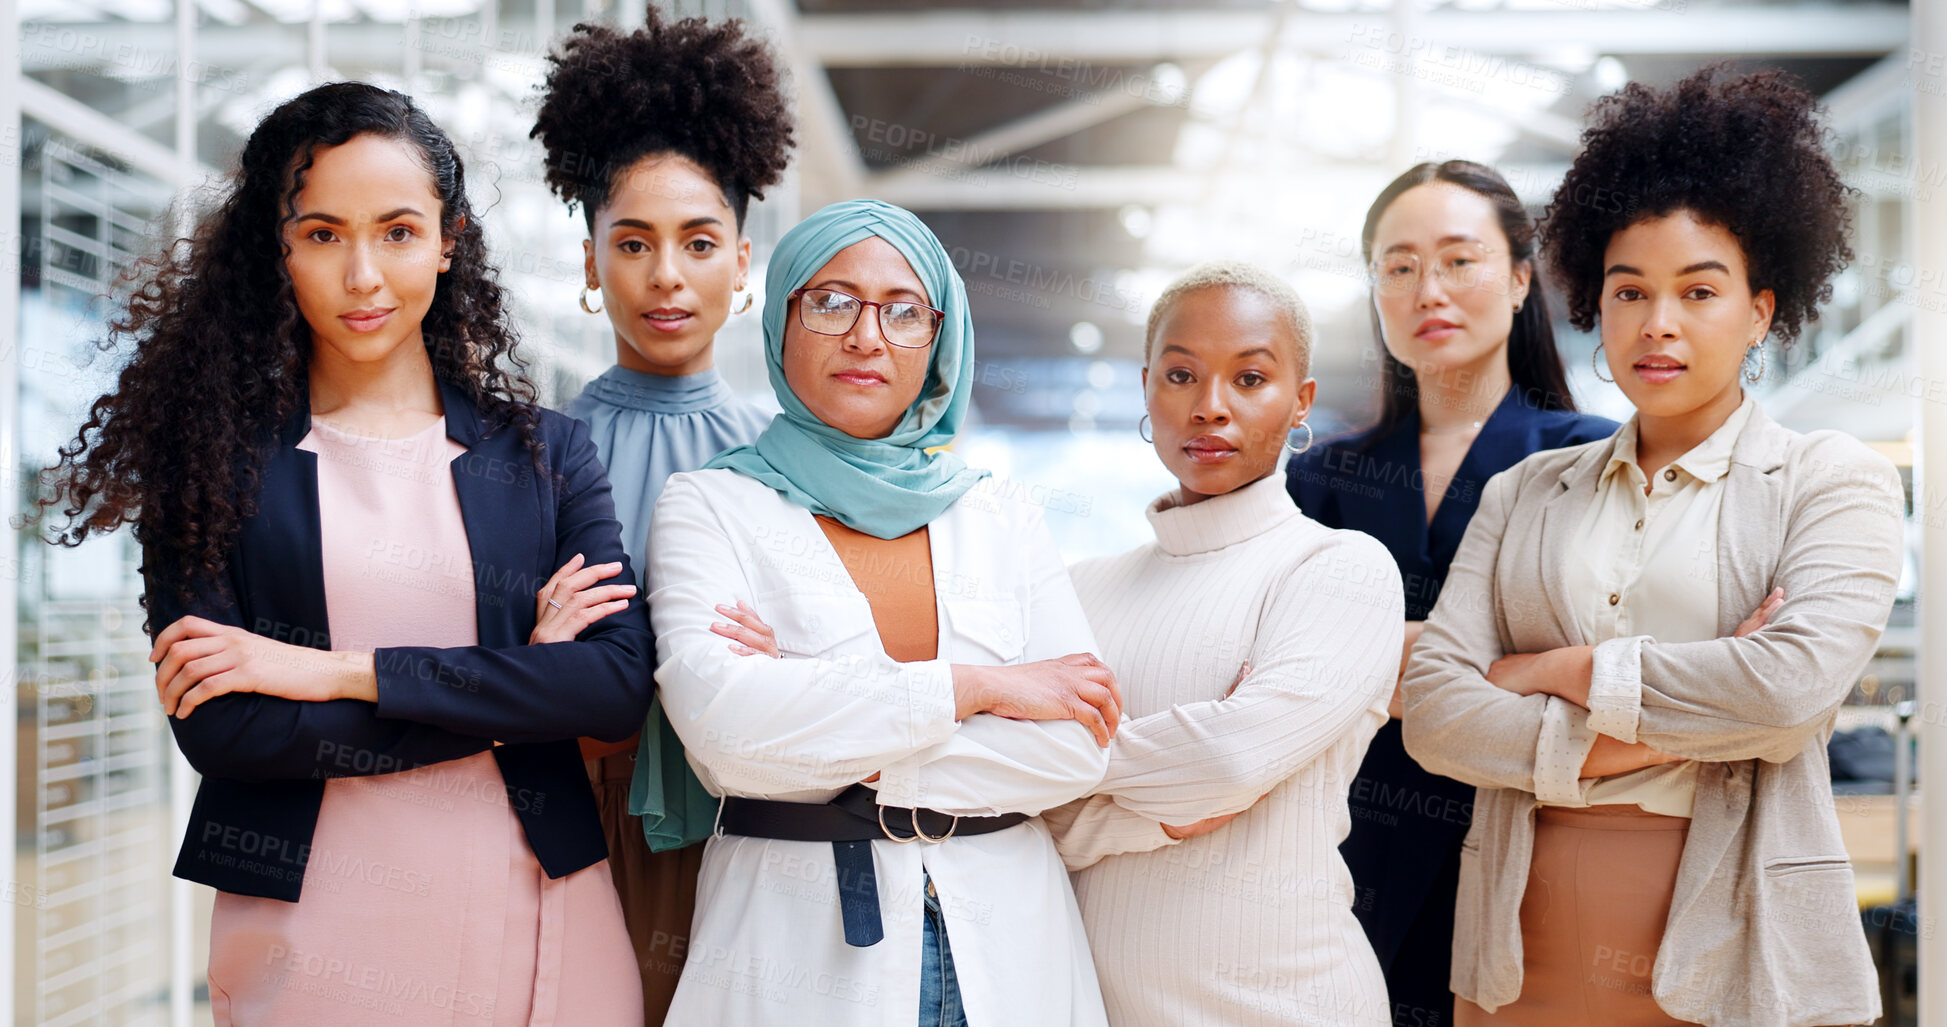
pixel 939 988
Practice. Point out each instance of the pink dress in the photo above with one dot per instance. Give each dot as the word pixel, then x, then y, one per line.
pixel 423 904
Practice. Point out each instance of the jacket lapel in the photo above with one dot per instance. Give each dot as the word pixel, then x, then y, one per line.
pixel 1555 529
pixel 1749 526
pixel 479 480
pixel 284 598
pixel 1749 531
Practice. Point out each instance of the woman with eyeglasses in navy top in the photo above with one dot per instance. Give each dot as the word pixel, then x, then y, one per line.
pixel 1470 384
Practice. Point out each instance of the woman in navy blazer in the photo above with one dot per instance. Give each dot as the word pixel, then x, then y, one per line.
pixel 351 512
pixel 1470 383
pixel 265 758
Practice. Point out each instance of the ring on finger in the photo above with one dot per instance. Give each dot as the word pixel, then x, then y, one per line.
pixel 554 604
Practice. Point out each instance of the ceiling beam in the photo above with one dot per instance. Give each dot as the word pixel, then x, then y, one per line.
pixel 1062 42
pixel 1004 141
pixel 831 166
pixel 1044 186
pixel 90 127
pixel 1066 43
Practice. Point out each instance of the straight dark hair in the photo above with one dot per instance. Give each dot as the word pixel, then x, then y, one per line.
pixel 1534 365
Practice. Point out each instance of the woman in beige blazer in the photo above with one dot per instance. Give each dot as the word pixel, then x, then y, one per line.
pixel 1654 839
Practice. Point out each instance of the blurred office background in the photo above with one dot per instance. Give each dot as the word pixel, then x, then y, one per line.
pixel 1073 155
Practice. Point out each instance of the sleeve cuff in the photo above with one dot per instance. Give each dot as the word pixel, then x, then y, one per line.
pixel 1564 744
pixel 929 688
pixel 1616 688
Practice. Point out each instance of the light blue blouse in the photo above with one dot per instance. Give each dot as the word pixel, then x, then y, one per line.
pixel 647 427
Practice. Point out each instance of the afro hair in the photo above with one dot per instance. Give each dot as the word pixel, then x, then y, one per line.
pixel 1743 153
pixel 702 90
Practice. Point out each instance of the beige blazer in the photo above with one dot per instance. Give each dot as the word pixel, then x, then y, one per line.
pixel 1764 930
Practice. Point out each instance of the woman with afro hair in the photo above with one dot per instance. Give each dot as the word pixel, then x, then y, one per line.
pixel 1643 641
pixel 661 136
pixel 345 496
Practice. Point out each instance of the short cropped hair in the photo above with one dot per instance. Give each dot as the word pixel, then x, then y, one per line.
pixel 1236 274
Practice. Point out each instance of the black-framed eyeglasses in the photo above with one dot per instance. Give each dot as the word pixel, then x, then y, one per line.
pixel 902 323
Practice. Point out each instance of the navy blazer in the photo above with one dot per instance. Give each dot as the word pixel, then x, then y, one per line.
pixel 1407 824
pixel 265 759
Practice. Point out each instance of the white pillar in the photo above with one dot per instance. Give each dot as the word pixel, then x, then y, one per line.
pixel 1927 231
pixel 182 778
pixel 11 142
pixel 314 44
pixel 1407 94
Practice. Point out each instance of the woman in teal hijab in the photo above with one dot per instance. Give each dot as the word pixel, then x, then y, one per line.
pixel 908 681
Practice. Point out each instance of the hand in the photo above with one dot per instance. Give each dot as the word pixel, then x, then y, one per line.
pixel 1514 672
pixel 197 660
pixel 1608 757
pixel 1075 687
pixel 1204 826
pixel 1762 615
pixel 748 634
pixel 1560 672
pixel 1242 673
pixel 571 601
pixel 1209 824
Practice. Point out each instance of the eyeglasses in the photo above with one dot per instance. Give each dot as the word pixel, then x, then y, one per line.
pixel 1462 265
pixel 902 322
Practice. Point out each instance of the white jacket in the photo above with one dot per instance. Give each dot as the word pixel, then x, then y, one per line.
pixel 767 945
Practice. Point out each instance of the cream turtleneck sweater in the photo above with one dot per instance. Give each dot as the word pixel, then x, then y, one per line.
pixel 1253 923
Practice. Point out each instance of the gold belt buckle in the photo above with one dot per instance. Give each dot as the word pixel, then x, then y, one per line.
pixel 883 829
pixel 929 839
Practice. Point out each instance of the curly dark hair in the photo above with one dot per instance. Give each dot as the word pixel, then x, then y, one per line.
pixel 1744 153
pixel 698 89
pixel 221 354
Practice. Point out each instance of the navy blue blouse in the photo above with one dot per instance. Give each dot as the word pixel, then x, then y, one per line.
pixel 1407 824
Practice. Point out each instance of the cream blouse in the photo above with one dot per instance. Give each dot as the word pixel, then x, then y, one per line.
pixel 1647 565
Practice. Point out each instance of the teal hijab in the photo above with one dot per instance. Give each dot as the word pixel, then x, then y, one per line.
pixel 884 487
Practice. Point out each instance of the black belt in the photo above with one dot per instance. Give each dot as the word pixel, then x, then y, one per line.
pixel 851 822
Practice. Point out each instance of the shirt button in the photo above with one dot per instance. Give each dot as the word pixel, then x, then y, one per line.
pixel 1614 599
pixel 1670 475
pixel 1639 524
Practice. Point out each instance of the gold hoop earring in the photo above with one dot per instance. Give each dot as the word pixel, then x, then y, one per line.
pixel 1139 430
pixel 1752 376
pixel 1595 361
pixel 749 298
pixel 1307 425
pixel 583 300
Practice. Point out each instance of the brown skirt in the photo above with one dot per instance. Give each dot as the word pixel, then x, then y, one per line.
pixel 1599 890
pixel 658 889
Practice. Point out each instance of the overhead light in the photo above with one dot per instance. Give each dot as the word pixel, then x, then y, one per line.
pixel 1136 220
pixel 1085 337
pixel 1170 83
pixel 1610 75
